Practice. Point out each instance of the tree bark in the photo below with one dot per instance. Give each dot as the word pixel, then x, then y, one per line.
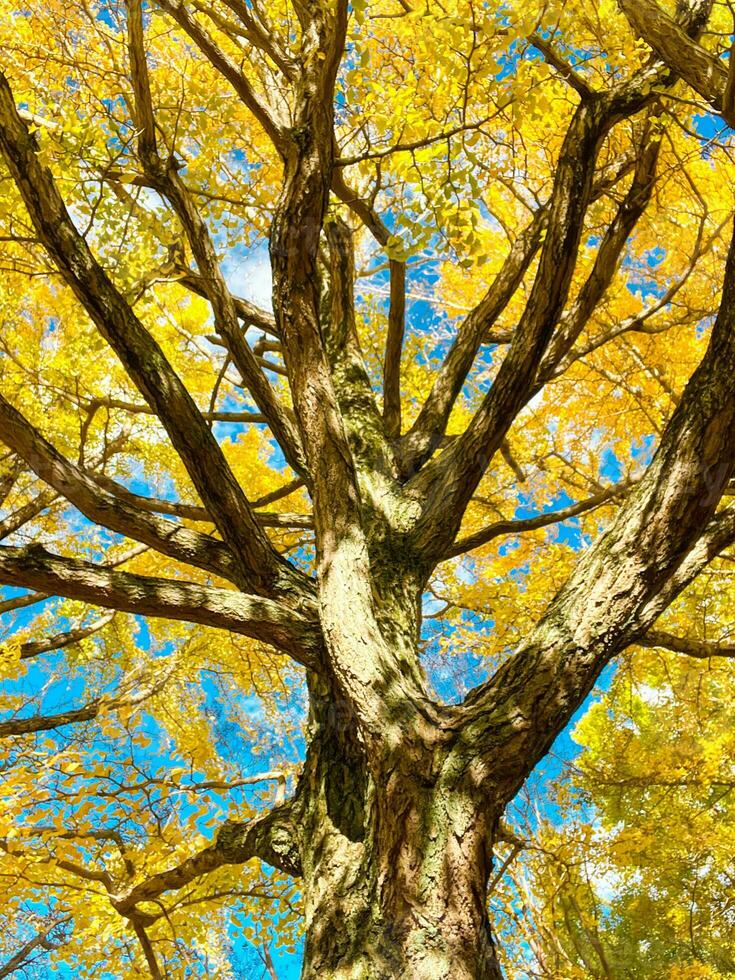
pixel 395 859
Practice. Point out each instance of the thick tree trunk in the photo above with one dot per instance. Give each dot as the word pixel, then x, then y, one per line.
pixel 407 901
pixel 395 866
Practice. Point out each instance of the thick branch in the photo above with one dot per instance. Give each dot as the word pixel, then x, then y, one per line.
pixel 165 177
pixel 448 483
pixel 461 466
pixel 624 582
pixel 397 308
pixel 350 378
pixel 271 838
pixel 608 255
pixel 706 74
pixel 35 568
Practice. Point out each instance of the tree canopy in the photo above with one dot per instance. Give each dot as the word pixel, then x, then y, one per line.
pixel 366 393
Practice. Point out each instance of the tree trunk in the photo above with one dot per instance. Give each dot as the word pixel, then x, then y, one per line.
pixel 395 864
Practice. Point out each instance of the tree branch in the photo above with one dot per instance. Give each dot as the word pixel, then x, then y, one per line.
pixel 249 313
pixel 42 940
pixel 689 60
pixel 271 838
pixel 520 525
pixel 165 178
pixel 193 512
pixel 692 647
pixel 397 304
pixel 447 484
pixel 104 508
pixel 652 550
pixel 262 619
pixel 566 71
pixel 352 386
pixel 61 640
pixel 133 690
pixel 426 433
pixel 265 115
pixel 261 567
pixel 609 252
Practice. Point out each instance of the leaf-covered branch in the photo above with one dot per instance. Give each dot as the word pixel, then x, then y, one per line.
pixel 133 690
pixel 107 509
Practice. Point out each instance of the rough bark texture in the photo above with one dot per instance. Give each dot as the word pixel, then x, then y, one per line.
pixel 395 861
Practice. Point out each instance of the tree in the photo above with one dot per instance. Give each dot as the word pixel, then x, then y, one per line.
pixel 547 170
pixel 628 872
pixel 648 821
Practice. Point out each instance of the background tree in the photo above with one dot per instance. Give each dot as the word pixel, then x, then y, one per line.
pixel 387 533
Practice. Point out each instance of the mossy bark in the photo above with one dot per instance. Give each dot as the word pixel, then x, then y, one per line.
pixel 395 861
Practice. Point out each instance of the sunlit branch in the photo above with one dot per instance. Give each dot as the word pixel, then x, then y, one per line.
pixel 521 525
pixel 397 304
pixel 264 113
pixel 706 74
pixel 102 507
pixel 689 645
pixel 165 176
pixel 562 67
pixel 344 353
pixel 269 837
pixel 60 641
pixel 35 568
pixel 133 690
